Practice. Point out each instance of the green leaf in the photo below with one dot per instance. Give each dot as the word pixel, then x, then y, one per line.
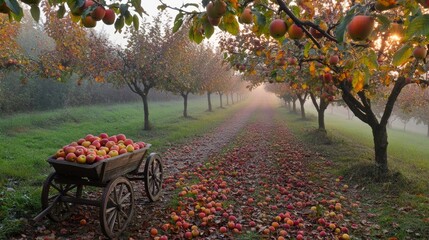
pixel 35 12
pixel 402 55
pixel 162 7
pixel 136 22
pixel 229 23
pixel 178 21
pixel 208 28
pixel 418 26
pixel 128 18
pixel 296 10
pixel 341 28
pixel 61 11
pixel 119 23
pixel 385 22
pixel 307 48
pixel 14 6
pixel 370 60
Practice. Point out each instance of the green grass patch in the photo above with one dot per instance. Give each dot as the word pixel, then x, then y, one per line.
pixel 28 139
pixel 401 204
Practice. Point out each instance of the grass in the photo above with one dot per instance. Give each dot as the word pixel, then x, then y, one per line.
pixel 28 139
pixel 401 201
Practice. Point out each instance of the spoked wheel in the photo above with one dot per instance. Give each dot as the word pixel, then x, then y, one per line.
pixel 153 176
pixel 52 193
pixel 117 207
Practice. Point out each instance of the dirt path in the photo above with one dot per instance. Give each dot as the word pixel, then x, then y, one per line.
pixel 247 179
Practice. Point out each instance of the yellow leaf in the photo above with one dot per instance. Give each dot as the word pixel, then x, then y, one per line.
pixel 312 69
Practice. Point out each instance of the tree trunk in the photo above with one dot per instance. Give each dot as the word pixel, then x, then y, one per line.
pixel 185 105
pixel 379 133
pixel 209 100
pixel 220 99
pixel 294 105
pixel 227 99
pixel 232 98
pixel 301 104
pixel 146 125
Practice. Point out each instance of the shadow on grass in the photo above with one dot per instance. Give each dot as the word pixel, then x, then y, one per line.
pixel 366 175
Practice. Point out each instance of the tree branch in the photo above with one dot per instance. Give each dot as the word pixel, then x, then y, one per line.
pixel 313 99
pixel 397 88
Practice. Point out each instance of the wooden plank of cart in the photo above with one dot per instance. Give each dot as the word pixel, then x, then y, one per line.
pixel 63 188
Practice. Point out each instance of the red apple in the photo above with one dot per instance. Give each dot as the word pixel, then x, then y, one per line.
pixel 136 146
pixel 88 136
pixel 295 32
pixel 60 153
pixel 99 158
pixel 121 137
pixel 96 143
pixel 113 138
pixel 141 144
pixel 80 141
pixel 292 61
pixel 71 157
pixel 278 28
pixel 69 149
pixel 73 144
pixel 109 17
pixel 334 59
pixel 246 16
pixel 128 141
pixel 214 21
pixel 420 52
pixel 90 158
pixel 79 152
pixel 188 235
pixel 216 8
pixel 222 229
pixel 103 141
pixel 114 147
pixel 103 135
pixel 88 22
pixel 98 13
pixel 109 144
pixel 122 151
pixel 360 27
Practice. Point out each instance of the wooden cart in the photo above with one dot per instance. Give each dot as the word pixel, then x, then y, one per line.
pixel 63 188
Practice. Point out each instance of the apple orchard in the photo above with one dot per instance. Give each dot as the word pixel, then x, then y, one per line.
pixel 365 54
pixel 327 50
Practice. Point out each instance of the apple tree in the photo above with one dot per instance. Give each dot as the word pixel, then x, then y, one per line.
pixel 143 64
pixel 85 12
pixel 377 42
pixel 11 54
pixel 184 77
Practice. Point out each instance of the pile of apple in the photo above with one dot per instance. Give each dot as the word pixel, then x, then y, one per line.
pixel 97 148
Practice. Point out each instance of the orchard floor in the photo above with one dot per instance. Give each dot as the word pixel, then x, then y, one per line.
pixel 251 176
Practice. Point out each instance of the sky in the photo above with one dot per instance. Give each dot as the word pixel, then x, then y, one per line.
pixel 150 6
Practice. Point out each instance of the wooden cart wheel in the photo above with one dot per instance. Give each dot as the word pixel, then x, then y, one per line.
pixel 51 194
pixel 153 176
pixel 117 207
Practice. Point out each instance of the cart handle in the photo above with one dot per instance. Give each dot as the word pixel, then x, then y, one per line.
pixel 46 210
